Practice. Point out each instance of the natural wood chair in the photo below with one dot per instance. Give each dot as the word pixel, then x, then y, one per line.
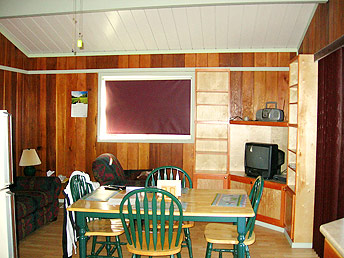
pixel 155 222
pixel 98 227
pixel 220 233
pixel 171 173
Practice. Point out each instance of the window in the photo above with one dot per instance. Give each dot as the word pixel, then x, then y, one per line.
pixel 146 105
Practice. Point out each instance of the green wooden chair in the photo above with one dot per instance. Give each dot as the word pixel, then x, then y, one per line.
pixel 98 227
pixel 170 173
pixel 219 233
pixel 155 222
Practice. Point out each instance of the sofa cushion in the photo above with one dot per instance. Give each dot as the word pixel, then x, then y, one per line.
pixel 26 225
pixel 44 215
pixel 41 198
pixel 24 206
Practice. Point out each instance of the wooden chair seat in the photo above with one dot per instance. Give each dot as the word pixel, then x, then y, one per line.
pixel 105 227
pixel 220 233
pixel 186 224
pixel 160 251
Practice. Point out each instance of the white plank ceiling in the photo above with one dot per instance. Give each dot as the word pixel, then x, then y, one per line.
pixel 184 29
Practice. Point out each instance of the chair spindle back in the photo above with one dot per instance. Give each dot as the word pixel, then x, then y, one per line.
pixel 79 187
pixel 168 173
pixel 151 211
pixel 255 196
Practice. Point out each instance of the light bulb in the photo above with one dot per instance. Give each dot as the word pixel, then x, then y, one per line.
pixel 79 43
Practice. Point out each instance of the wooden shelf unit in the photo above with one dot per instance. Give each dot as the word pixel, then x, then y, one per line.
pixel 301 154
pixel 212 128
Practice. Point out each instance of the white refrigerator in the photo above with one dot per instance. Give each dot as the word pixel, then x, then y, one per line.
pixel 8 242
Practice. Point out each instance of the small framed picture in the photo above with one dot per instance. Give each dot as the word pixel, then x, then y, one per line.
pixel 172 186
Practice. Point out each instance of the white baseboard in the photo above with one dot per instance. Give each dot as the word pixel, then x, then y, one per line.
pixel 282 230
pixel 297 245
pixel 266 225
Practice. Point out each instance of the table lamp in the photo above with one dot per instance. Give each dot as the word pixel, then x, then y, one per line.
pixel 29 159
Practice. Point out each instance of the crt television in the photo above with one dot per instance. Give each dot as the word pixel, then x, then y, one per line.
pixel 263 159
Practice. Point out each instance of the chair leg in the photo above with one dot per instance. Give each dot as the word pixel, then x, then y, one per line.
pixel 188 241
pixel 94 242
pixel 118 247
pixel 209 250
pixel 108 246
pixel 247 252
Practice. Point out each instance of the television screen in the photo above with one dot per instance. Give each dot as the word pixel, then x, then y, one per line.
pixel 257 156
pixel 263 159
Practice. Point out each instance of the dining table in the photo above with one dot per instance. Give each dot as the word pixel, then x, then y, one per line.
pixel 199 205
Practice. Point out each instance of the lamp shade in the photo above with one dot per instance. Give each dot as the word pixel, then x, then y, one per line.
pixel 29 157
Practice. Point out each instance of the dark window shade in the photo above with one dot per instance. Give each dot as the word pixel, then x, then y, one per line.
pixel 148 107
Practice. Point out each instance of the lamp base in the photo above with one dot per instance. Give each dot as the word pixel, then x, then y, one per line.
pixel 29 171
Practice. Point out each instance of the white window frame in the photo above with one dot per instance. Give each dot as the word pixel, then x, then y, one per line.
pixel 144 74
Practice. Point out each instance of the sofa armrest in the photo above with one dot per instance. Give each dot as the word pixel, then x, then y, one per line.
pixel 46 184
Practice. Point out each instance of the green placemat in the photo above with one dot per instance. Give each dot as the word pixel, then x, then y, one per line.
pixel 230 200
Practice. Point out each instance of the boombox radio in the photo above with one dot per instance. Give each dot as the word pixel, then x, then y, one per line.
pixel 270 114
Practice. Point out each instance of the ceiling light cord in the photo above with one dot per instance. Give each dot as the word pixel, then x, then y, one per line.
pixel 80 42
pixel 74 27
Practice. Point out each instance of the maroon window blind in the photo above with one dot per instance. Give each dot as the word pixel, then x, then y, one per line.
pixel 148 107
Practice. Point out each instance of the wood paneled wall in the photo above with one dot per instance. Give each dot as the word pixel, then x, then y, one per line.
pixel 41 105
pixel 327 25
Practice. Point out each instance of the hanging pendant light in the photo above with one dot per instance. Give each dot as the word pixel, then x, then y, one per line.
pixel 78 40
pixel 80 43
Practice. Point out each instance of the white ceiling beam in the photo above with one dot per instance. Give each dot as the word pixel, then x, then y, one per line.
pixel 17 8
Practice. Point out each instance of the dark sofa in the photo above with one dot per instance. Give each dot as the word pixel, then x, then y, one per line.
pixel 36 202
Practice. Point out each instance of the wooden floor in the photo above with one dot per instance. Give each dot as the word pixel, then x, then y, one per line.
pixel 46 243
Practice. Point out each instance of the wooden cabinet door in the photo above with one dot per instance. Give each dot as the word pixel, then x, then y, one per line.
pixel 329 251
pixel 237 182
pixel 289 212
pixel 210 181
pixel 271 208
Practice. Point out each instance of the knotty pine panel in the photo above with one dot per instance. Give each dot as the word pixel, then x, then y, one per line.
pixel 326 26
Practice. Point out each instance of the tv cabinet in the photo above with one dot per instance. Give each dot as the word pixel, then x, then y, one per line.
pixel 271 208
pixel 301 156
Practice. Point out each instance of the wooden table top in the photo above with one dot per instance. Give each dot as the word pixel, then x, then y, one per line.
pixel 198 204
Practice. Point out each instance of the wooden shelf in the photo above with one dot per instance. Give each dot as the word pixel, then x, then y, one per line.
pixel 259 123
pixel 292 167
pixel 292 150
